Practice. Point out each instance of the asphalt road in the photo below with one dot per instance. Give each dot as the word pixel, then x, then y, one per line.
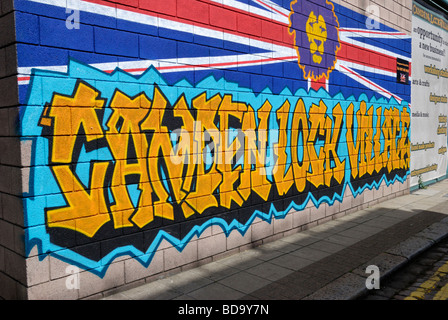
pixel 425 278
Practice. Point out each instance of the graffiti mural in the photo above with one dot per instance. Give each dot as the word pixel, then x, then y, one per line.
pixel 131 153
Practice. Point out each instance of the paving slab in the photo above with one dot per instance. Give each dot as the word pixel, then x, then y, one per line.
pixel 327 262
pixel 245 282
pixel 269 271
pixel 216 291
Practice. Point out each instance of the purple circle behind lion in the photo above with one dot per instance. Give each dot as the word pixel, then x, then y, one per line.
pixel 314 26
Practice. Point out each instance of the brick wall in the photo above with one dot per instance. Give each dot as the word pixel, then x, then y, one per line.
pixel 116 209
pixel 13 277
pixel 395 14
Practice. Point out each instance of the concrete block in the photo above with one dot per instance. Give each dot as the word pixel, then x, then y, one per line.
pixel 395 187
pixel 387 191
pixel 9 288
pixel 7 235
pixel 9 91
pixel 10 60
pixel 216 229
pixel 54 33
pixel 57 268
pixel 8 119
pixel 4 120
pixel 27 28
pixel 332 209
pixel 368 195
pixel 378 2
pixel 105 42
pixel 12 208
pixel 7 30
pixel 378 193
pixel 317 213
pixel 2 259
pixel 15 266
pixel 173 258
pixel 301 218
pixel 358 200
pixel 26 181
pixel 53 290
pixel 393 18
pixel 282 224
pixel 10 154
pixel 11 181
pixel 405 185
pixel 2 63
pixel 19 240
pixel 210 246
pixel 90 283
pixel 6 178
pixel 346 203
pixel 384 13
pixel 134 270
pixel 26 148
pixel 261 229
pixel 38 271
pixel 6 6
pixel 324 220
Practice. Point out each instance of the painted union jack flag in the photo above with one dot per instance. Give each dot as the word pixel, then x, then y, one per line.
pixel 256 43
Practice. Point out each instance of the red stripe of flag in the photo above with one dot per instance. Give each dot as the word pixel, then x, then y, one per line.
pixel 203 14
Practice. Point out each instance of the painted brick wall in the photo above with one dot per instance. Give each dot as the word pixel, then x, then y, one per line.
pixel 102 106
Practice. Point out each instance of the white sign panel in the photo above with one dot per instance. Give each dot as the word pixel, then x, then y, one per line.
pixel 429 95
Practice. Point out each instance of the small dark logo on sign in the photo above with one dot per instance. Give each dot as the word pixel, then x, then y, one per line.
pixel 402 71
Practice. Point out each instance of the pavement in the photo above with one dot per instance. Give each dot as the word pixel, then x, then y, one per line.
pixel 326 262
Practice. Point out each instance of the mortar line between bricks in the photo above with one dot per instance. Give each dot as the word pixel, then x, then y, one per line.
pixel 330 268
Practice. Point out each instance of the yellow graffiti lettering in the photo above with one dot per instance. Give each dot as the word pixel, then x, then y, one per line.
pixel 127 145
pixel 404 142
pixel 388 139
pixel 300 128
pixel 317 121
pixel 396 130
pixel 353 144
pixel 160 145
pixel 256 143
pixel 390 134
pixel 378 160
pixel 186 156
pixel 330 148
pixel 86 210
pixel 205 153
pixel 284 179
pixel 228 151
pixel 69 115
pixel 365 132
pixel 207 181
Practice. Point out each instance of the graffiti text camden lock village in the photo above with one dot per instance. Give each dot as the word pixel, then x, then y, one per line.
pixel 210 154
